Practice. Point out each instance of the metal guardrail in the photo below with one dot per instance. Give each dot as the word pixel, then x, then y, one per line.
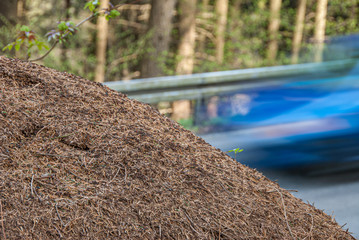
pixel 196 86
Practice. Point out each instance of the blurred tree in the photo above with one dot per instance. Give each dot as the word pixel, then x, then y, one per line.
pixel 101 44
pixel 8 9
pixel 273 28
pixel 221 14
pixel 187 36
pixel 67 4
pixel 159 28
pixel 298 32
pixel 20 11
pixel 187 41
pixel 203 7
pixel 319 31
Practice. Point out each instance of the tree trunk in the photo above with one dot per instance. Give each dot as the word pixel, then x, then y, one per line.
pixel 8 9
pixel 202 35
pixel 187 31
pixel 101 44
pixel 262 5
pixel 319 31
pixel 21 11
pixel 159 28
pixel 67 17
pixel 298 32
pixel 187 41
pixel 273 28
pixel 222 12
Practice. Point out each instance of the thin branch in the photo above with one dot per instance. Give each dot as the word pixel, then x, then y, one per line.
pixel 2 221
pixel 57 41
pixel 32 181
pixel 47 53
pixel 285 214
pixel 192 225
pixel 85 20
pixel 58 215
pixel 79 24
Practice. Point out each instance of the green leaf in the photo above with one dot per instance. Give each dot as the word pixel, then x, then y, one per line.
pixel 114 13
pixel 236 150
pixel 17 46
pixel 45 46
pixel 87 5
pixel 62 26
pixel 40 45
pixel 91 5
pixel 25 28
pixel 9 46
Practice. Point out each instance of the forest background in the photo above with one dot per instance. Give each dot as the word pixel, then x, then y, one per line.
pixel 154 38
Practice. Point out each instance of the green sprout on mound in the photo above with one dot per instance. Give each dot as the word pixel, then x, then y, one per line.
pixel 236 151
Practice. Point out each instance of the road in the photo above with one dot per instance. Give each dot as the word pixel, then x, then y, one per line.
pixel 335 193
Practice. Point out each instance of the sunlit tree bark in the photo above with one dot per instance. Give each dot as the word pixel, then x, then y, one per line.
pixel 159 28
pixel 8 9
pixel 67 4
pixel 319 31
pixel 273 28
pixel 20 10
pixel 101 44
pixel 202 35
pixel 187 31
pixel 222 13
pixel 298 32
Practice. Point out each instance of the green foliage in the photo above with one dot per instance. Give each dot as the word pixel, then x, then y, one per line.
pixel 92 5
pixel 26 37
pixel 236 151
pixel 62 32
pixel 112 14
pixel 64 29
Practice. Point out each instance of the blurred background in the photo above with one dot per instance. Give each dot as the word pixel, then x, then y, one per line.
pixel 278 78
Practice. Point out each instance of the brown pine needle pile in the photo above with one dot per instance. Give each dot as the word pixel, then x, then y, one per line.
pixel 81 161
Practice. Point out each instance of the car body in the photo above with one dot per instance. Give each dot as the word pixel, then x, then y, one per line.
pixel 300 122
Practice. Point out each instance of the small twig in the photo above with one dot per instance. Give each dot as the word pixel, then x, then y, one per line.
pixel 3 155
pixel 285 214
pixel 33 192
pixel 190 220
pixel 63 136
pixel 125 175
pixel 75 175
pixel 286 190
pixel 52 155
pixel 58 232
pixel 115 175
pixel 32 181
pixel 160 231
pixel 311 227
pixel 225 188
pixel 47 53
pixel 2 221
pixel 58 215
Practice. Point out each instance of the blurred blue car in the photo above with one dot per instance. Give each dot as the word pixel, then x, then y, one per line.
pixel 297 124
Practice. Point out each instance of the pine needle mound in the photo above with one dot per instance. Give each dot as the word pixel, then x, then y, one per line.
pixel 81 161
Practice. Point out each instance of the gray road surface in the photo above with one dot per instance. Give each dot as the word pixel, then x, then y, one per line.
pixel 335 193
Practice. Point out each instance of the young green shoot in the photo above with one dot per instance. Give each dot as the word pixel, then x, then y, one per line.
pixel 236 151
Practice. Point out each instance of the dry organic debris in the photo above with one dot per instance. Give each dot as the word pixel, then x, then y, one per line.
pixel 80 161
